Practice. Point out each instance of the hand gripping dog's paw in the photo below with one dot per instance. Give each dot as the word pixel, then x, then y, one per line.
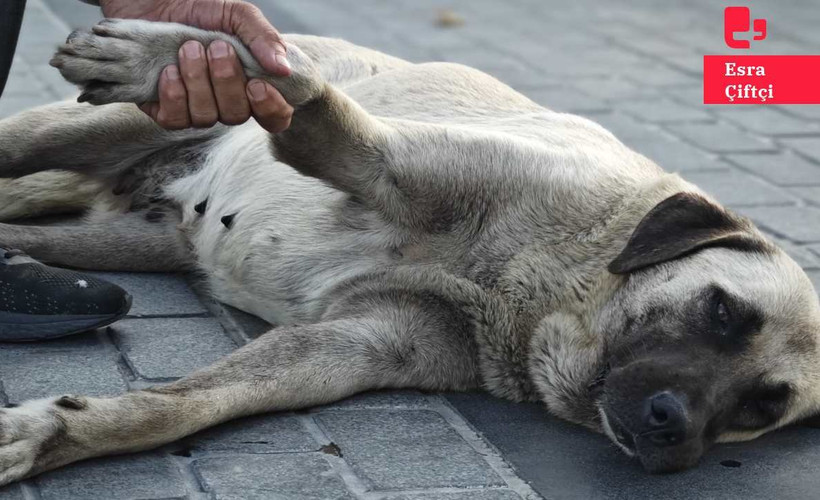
pixel 121 60
pixel 32 438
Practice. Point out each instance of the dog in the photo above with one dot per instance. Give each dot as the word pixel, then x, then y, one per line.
pixel 418 226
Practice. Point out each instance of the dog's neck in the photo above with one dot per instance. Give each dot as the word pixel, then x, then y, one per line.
pixel 561 297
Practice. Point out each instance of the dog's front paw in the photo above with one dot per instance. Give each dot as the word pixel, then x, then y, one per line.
pixel 111 63
pixel 33 438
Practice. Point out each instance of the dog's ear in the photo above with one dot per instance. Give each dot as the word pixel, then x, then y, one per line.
pixel 680 225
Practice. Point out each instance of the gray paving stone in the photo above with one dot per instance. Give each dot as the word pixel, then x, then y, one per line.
pixel 738 189
pixel 57 87
pixel 663 111
pixel 253 326
pixel 495 63
pixel 404 449
pixel 612 88
pixel 802 254
pixel 720 137
pixel 299 476
pixel 660 75
pixel 82 341
pixel 442 41
pixel 783 169
pixel 28 374
pixel 566 100
pixel 17 103
pixel 687 63
pixel 627 128
pixel 162 348
pixel 814 276
pixel 799 224
pixel 767 121
pixel 258 435
pixel 21 82
pixel 690 96
pixel 157 294
pixel 488 494
pixel 674 155
pixel 808 146
pixel 810 194
pixel 382 400
pixel 593 63
pixel 12 492
pixel 808 111
pixel 82 15
pixel 128 477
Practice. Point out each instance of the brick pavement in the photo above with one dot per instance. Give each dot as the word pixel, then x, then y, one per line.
pixel 627 64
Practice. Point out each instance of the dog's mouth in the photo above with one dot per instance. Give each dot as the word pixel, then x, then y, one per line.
pixel 618 433
pixel 613 427
pixel 596 387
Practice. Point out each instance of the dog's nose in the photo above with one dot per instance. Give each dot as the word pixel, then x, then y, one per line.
pixel 664 419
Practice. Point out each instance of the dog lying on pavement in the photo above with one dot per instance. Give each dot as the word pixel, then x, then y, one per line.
pixel 418 226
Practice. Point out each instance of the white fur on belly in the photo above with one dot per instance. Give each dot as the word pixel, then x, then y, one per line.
pixel 283 251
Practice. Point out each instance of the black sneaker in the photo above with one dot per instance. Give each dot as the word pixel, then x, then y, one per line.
pixel 39 302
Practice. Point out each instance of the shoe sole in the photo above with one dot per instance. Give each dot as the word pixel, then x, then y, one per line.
pixel 31 328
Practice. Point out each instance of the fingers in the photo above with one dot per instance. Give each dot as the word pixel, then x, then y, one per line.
pixel 195 74
pixel 173 100
pixel 210 86
pixel 249 24
pixel 269 107
pixel 228 80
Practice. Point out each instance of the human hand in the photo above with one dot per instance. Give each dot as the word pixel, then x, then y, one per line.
pixel 209 84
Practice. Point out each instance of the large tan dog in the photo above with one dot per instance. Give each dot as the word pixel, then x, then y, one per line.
pixel 418 226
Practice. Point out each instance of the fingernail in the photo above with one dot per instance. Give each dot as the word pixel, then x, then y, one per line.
pixel 282 60
pixel 257 90
pixel 172 72
pixel 218 49
pixel 192 50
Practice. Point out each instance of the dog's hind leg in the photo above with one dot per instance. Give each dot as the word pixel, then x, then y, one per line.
pixel 145 240
pixel 400 340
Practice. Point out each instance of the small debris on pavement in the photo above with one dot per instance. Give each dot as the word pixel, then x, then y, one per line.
pixel 446 18
pixel 331 449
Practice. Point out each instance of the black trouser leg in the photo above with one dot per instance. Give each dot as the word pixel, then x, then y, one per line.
pixel 11 17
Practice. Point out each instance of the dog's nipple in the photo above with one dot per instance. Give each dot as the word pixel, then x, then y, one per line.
pixel 227 221
pixel 201 206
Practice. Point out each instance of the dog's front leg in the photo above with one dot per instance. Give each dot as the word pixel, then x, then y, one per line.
pixel 331 137
pixel 409 345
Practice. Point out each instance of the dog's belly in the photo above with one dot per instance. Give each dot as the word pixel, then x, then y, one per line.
pixel 286 246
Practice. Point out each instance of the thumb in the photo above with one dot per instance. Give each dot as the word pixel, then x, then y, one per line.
pixel 247 22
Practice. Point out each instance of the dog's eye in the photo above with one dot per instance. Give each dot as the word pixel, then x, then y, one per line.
pixel 720 312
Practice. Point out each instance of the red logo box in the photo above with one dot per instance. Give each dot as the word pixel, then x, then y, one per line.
pixel 761 79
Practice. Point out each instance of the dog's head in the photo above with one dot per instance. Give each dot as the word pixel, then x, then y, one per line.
pixel 719 337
